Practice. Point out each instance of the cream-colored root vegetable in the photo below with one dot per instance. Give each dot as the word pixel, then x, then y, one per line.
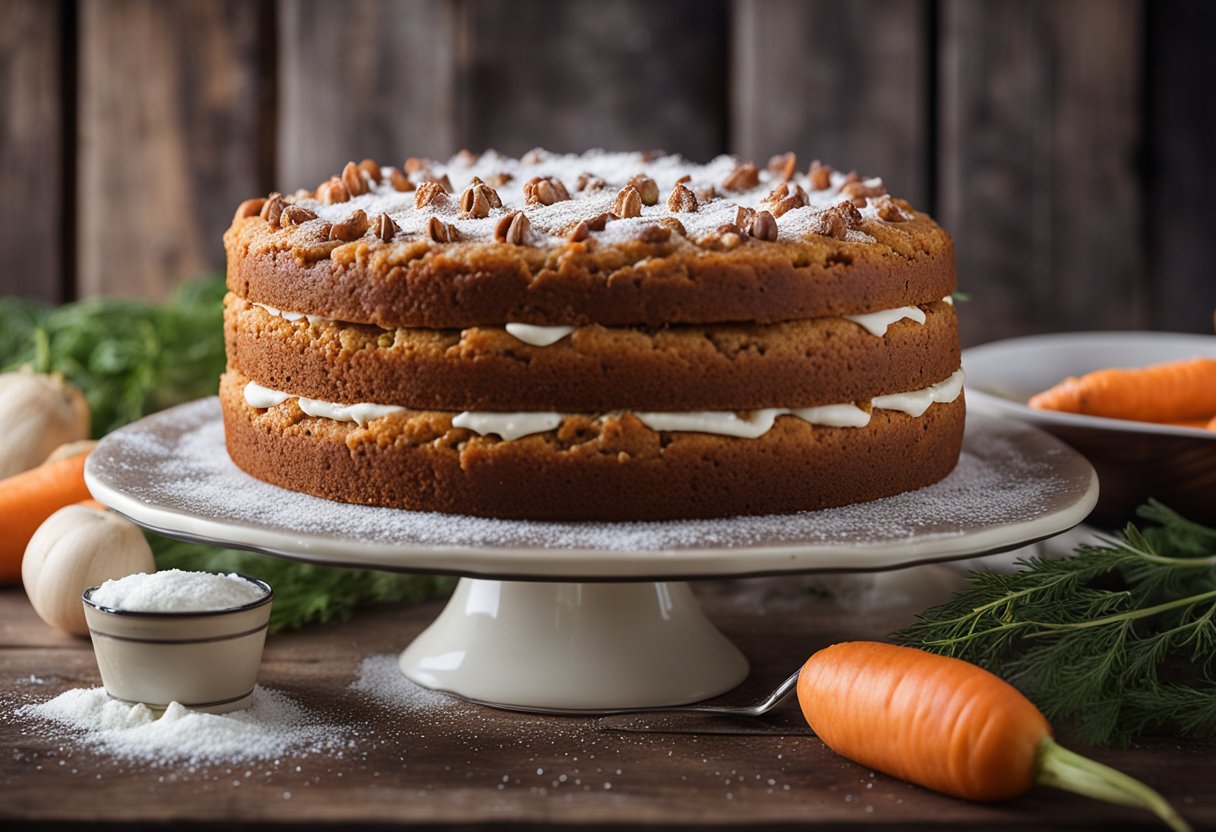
pixel 39 412
pixel 76 548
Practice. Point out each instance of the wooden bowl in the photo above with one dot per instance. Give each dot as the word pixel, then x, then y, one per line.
pixel 1134 460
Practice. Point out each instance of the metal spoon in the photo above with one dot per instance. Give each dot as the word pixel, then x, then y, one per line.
pixel 759 709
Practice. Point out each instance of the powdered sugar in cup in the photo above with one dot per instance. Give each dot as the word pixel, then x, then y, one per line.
pixel 194 638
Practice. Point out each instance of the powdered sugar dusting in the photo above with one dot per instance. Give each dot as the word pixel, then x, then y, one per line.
pixel 550 223
pixel 1007 474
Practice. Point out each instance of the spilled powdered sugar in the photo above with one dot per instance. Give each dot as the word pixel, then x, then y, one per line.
pixel 177 460
pixel 273 726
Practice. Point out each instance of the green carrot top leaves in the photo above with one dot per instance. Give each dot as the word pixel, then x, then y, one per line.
pixel 1119 636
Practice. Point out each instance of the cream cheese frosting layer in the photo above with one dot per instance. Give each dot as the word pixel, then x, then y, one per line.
pixel 751 425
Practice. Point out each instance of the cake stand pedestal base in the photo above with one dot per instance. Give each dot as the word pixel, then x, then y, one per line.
pixel 574 646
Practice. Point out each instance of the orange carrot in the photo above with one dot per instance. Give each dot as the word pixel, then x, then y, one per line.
pixel 1212 424
pixel 1170 392
pixel 28 498
pixel 950 726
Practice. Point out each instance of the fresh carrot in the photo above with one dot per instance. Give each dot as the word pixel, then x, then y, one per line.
pixel 950 726
pixel 1170 392
pixel 28 498
pixel 1212 424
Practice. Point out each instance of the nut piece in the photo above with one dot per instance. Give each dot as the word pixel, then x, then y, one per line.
pixel 501 178
pixel 474 202
pixel 784 166
pixel 295 215
pixel 820 176
pixel 893 210
pixel 399 180
pixel 628 203
pixel 600 221
pixel 416 165
pixel 430 193
pixel 440 231
pixel 654 234
pixel 675 225
pixel 784 198
pixel 682 200
pixel 744 216
pixel 272 209
pixel 354 227
pixel 384 227
pixel 646 187
pixel 544 190
pixel 333 191
pixel 352 178
pixel 466 157
pixel 248 208
pixel 763 227
pixel 743 178
pixel 579 233
pixel 836 221
pixel 708 194
pixel 441 181
pixel 372 168
pixel 726 237
pixel 859 191
pixel 589 182
pixel 513 228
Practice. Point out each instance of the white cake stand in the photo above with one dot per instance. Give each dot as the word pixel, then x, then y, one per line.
pixel 586 616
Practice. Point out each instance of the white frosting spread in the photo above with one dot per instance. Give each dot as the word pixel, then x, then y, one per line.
pixel 510 426
pixel 291 316
pixel 361 413
pixel 878 322
pixel 263 397
pixel 539 336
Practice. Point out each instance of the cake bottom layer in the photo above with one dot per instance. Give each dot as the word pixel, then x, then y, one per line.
pixel 605 468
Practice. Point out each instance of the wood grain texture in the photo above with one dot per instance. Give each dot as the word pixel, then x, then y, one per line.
pixel 432 762
pixel 169 132
pixel 1040 134
pixel 578 74
pixel 847 83
pixel 1182 167
pixel 32 213
pixel 367 78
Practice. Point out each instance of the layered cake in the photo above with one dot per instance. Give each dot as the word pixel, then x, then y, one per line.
pixel 610 336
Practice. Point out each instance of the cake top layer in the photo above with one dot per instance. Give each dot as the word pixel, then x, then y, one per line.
pixel 629 191
pixel 611 238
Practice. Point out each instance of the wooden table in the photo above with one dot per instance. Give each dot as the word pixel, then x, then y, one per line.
pixel 464 766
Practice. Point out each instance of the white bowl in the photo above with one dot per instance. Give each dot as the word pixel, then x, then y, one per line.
pixel 1134 460
pixel 207 661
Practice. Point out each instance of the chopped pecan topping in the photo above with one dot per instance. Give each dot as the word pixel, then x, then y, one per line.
pixel 628 203
pixel 475 202
pixel 682 200
pixel 430 193
pixel 491 194
pixel 744 216
pixel 295 215
pixel 707 194
pixel 675 225
pixel 333 191
pixel 441 181
pixel 544 190
pixel 513 228
pixel 654 234
pixel 685 179
pixel 372 168
pixel 501 178
pixel 820 176
pixel 352 178
pixel 385 228
pixel 784 166
pixel 646 187
pixel 440 231
pixel 416 165
pixel 579 233
pixel 743 178
pixel 836 221
pixel 354 227
pixel 272 209
pixel 763 226
pixel 600 221
pixel 466 157
pixel 893 210
pixel 859 191
pixel 785 198
pixel 249 208
pixel 399 180
pixel 588 182
pixel 727 236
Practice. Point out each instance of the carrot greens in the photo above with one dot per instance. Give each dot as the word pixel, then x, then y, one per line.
pixel 1120 636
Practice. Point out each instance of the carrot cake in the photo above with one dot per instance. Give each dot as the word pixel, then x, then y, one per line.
pixel 606 336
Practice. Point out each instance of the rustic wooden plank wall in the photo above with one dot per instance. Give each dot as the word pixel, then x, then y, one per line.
pixel 1065 143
